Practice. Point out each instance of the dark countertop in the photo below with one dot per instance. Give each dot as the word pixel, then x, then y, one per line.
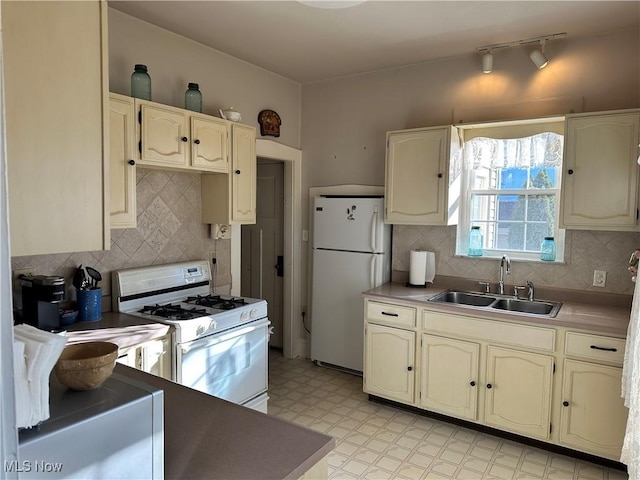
pixel 209 438
pixel 600 318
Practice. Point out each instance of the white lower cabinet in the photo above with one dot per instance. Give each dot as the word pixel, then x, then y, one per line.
pixel 152 357
pixel 449 376
pixel 539 381
pixel 518 391
pixel 389 362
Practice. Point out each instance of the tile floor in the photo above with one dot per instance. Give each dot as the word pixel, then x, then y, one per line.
pixel 375 441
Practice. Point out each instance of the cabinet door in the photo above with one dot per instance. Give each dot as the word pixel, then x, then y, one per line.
pixel 417 177
pixel 128 356
pixel 56 105
pixel 600 178
pixel 209 140
pixel 122 180
pixel 389 363
pixel 156 358
pixel 518 391
pixel 593 415
pixel 164 134
pixel 243 175
pixel 449 376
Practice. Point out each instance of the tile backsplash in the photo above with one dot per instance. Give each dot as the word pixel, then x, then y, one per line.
pixel 169 230
pixel 585 251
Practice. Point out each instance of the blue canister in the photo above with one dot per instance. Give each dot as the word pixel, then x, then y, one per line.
pixel 141 82
pixel 548 249
pixel 89 305
pixel 475 242
pixel 193 98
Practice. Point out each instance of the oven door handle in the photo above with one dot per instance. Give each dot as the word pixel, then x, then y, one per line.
pixel 223 336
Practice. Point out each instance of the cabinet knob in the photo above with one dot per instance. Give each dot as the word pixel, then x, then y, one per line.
pixel 409 368
pixel 132 162
pixel 196 141
pixel 489 386
pixel 439 175
pixel 472 383
pixel 184 139
pixel 570 172
pixel 237 172
pixel 565 403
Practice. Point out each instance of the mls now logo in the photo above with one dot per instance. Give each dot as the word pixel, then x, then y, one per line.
pixel 26 466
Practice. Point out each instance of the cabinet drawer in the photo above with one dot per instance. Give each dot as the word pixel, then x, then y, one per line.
pixel 595 347
pixel 489 330
pixel 389 313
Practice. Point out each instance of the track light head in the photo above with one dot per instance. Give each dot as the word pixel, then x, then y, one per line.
pixel 487 62
pixel 537 56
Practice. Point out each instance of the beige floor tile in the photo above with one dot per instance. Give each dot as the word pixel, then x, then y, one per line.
pixel 444 468
pixel 388 463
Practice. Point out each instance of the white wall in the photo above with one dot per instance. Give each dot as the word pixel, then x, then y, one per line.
pixel 174 61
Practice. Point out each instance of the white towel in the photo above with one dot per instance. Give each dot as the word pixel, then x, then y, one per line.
pixel 41 351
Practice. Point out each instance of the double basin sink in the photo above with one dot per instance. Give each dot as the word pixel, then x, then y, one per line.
pixel 490 301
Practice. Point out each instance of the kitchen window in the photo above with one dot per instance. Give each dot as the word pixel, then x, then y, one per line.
pixel 511 174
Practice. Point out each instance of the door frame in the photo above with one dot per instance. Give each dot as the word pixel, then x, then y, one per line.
pixel 292 345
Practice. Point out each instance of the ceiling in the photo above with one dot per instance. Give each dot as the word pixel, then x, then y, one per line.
pixel 309 44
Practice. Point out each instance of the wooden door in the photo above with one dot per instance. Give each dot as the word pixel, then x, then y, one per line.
pixel 449 376
pixel 593 417
pixel 389 369
pixel 518 391
pixel 263 243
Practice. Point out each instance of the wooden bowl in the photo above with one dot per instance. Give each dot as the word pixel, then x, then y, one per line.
pixel 84 366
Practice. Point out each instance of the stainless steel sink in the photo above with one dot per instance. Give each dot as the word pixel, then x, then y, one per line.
pixel 525 306
pixel 464 298
pixel 498 302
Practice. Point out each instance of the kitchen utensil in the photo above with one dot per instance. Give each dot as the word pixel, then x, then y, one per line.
pixel 78 277
pixel 95 275
pixel 85 366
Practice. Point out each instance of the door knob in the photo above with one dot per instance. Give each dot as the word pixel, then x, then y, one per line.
pixel 237 172
pixel 409 368
pixel 132 162
pixel 196 141
pixel 565 403
pixel 489 386
pixel 472 383
pixel 184 139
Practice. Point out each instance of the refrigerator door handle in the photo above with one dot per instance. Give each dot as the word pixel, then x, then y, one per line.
pixel 374 228
pixel 373 271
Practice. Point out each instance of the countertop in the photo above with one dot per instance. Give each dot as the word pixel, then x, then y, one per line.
pixel 119 328
pixel 209 438
pixel 600 318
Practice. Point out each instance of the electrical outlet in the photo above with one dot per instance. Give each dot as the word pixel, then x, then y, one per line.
pixel 221 232
pixel 599 278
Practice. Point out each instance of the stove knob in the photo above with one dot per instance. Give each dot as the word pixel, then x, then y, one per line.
pixel 243 316
pixel 200 330
pixel 253 313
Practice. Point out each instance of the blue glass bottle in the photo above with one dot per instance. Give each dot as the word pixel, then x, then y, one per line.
pixel 193 98
pixel 141 83
pixel 475 242
pixel 548 249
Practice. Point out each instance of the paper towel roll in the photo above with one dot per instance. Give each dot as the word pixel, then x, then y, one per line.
pixel 417 268
pixel 430 271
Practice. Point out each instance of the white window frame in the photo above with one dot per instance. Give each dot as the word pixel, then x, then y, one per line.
pixel 464 223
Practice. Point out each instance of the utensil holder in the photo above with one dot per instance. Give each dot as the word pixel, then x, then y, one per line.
pixel 89 305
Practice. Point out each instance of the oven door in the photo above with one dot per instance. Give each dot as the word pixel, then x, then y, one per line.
pixel 231 365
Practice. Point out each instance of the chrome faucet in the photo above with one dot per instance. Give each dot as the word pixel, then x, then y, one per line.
pixel 530 294
pixel 504 261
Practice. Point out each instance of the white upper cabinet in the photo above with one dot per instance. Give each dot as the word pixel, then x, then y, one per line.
pixel 417 182
pixel 600 177
pixel 56 111
pixel 122 152
pixel 209 144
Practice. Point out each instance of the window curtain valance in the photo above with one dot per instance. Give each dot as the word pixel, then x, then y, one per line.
pixel 543 149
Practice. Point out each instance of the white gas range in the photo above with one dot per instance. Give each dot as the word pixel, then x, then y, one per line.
pixel 220 342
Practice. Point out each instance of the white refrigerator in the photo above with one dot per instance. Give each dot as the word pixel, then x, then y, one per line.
pixel 351 254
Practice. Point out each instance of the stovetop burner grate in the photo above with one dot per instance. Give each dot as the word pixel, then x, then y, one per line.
pixel 215 301
pixel 173 312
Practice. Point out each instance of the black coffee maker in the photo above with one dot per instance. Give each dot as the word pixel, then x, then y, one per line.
pixel 41 297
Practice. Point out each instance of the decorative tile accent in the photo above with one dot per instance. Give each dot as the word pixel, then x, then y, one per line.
pixel 382 442
pixel 169 230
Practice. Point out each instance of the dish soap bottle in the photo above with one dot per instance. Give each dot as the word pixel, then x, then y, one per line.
pixel 141 83
pixel 548 250
pixel 193 98
pixel 475 242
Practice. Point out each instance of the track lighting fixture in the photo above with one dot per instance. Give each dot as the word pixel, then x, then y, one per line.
pixel 487 62
pixel 537 56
